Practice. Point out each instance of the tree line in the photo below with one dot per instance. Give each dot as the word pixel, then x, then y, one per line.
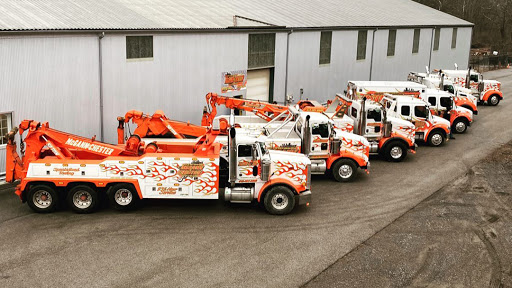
pixel 492 19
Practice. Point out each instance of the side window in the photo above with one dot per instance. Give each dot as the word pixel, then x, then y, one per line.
pixel 361 44
pixel 420 111
pixel 375 115
pixel 446 102
pixel 406 111
pixel 244 151
pixel 473 78
pixel 449 88
pixel 5 127
pixel 354 112
pixel 322 130
pixel 139 47
pixel 432 101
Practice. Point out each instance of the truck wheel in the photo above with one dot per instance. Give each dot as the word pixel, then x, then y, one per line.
pixel 395 151
pixel 343 170
pixel 83 199
pixel 459 126
pixel 493 100
pixel 279 200
pixel 123 197
pixel 436 138
pixel 42 199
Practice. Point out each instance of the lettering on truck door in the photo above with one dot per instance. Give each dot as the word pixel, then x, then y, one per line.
pixel 247 162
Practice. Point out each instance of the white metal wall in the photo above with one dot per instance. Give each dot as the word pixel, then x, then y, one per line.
pixel 52 79
pixel 322 82
pixel 445 57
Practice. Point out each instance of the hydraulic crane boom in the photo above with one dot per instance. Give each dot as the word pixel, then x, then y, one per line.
pixel 266 111
pixel 157 125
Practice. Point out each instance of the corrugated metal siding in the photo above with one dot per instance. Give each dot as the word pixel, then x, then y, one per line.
pixel 185 67
pixel 52 79
pixel 445 57
pixel 200 14
pixel 322 82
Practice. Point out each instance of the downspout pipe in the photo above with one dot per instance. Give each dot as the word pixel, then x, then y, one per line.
pixel 371 56
pixel 100 75
pixel 286 67
pixel 431 48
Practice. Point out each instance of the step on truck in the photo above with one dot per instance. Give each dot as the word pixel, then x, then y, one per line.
pixel 58 165
pixel 430 129
pixel 332 151
pixel 463 97
pixel 488 91
pixel 389 137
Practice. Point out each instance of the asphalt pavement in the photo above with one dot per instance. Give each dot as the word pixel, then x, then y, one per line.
pixel 210 243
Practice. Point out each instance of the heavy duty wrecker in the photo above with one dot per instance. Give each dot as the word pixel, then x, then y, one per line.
pixel 331 150
pixel 388 136
pixel 55 164
pixel 429 128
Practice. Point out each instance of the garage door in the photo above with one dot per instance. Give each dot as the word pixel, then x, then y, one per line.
pixel 258 84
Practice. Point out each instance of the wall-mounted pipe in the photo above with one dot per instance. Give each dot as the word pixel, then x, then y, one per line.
pixel 100 75
pixel 286 67
pixel 371 55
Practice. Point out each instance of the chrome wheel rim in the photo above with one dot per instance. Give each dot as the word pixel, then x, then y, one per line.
pixel 437 139
pixel 396 152
pixel 494 100
pixel 460 127
pixel 82 199
pixel 345 171
pixel 279 201
pixel 123 197
pixel 42 199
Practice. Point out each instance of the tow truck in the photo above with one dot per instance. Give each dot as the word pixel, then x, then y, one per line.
pixel 487 91
pixel 430 129
pixel 388 136
pixel 331 150
pixel 463 97
pixel 58 165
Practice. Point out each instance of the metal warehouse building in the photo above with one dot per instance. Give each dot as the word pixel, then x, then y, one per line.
pixel 80 64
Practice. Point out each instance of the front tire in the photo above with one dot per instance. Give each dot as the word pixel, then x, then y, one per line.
pixel 83 199
pixel 493 100
pixel 459 126
pixel 279 200
pixel 343 170
pixel 42 198
pixel 395 151
pixel 123 197
pixel 436 138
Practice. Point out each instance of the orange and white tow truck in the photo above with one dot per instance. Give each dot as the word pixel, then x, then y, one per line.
pixel 58 165
pixel 330 149
pixel 431 129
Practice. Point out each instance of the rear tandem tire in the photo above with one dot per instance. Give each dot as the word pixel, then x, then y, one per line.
pixel 395 151
pixel 279 200
pixel 42 198
pixel 123 197
pixel 343 170
pixel 83 199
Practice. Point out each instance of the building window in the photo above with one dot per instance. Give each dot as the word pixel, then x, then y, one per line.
pixel 436 38
pixel 5 126
pixel 454 38
pixel 325 47
pixel 262 49
pixel 416 41
pixel 139 47
pixel 391 42
pixel 361 44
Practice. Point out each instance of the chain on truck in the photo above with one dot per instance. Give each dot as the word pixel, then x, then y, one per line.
pixel 58 165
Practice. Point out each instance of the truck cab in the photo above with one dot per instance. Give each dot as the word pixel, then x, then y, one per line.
pixel 443 104
pixel 431 129
pixel 488 91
